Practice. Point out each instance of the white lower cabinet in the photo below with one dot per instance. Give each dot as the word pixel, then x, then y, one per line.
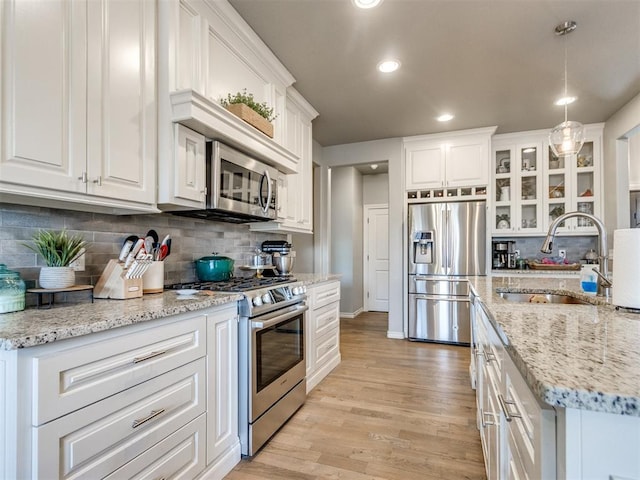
pixel 101 437
pixel 152 400
pixel 179 456
pixel 323 331
pixel 516 431
pixel 223 442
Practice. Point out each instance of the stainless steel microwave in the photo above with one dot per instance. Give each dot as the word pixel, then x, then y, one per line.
pixel 240 188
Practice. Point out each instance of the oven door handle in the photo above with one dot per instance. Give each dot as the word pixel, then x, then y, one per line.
pixel 278 317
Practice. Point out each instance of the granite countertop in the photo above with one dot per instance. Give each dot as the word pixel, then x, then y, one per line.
pixel 571 356
pixel 313 278
pixel 33 327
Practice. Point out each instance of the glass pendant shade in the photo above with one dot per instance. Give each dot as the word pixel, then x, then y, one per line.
pixel 567 138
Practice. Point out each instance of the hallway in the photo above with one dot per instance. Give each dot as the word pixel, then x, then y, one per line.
pixel 392 410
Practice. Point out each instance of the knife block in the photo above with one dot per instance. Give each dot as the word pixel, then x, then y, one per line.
pixel 112 283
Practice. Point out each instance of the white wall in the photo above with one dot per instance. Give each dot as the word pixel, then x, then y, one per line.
pixel 634 162
pixel 346 236
pixel 389 150
pixel 616 165
pixel 375 189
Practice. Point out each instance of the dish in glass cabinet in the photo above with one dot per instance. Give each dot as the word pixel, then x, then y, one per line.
pixel 503 224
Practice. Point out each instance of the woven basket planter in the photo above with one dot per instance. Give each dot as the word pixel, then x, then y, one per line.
pixel 252 118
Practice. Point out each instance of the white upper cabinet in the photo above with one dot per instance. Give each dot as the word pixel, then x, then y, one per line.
pixel 531 187
pixel 206 52
pixel 454 159
pixel 79 106
pixel 295 191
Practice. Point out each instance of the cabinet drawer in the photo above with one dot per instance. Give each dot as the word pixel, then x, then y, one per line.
pixel 326 318
pixel 324 294
pixel 70 379
pixel 98 439
pixel 179 456
pixel 327 346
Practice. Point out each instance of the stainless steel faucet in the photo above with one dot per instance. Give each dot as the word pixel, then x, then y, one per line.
pixel 604 284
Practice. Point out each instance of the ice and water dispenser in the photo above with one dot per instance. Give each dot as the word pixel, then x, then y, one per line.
pixel 423 247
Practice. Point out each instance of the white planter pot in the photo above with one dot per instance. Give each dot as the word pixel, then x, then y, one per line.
pixel 57 277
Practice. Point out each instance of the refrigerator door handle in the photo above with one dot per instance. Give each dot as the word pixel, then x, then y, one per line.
pixel 442 298
pixel 448 239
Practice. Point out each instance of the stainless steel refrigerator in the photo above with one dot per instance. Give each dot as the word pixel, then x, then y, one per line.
pixel 447 242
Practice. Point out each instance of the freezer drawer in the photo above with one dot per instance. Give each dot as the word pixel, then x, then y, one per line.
pixel 438 286
pixel 439 318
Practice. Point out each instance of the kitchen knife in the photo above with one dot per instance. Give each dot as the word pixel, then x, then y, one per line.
pixel 126 248
pixel 134 251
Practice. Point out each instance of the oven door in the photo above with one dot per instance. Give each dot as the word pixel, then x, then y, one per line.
pixel 241 184
pixel 277 356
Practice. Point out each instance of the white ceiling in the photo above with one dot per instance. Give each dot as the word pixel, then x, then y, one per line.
pixel 490 62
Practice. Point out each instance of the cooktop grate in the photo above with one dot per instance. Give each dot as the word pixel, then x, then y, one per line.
pixel 233 284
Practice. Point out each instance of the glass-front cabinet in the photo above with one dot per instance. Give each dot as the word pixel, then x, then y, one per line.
pixel 573 184
pixel 531 186
pixel 517 186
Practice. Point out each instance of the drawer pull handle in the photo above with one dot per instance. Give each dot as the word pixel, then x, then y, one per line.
pixel 151 416
pixel 508 416
pixel 149 356
pixel 486 423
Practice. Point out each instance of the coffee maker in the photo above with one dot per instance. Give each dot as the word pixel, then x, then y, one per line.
pixel 503 254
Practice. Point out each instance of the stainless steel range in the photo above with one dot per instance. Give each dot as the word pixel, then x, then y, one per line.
pixel 271 345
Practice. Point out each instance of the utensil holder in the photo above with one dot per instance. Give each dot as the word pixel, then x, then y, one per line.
pixel 153 278
pixel 114 284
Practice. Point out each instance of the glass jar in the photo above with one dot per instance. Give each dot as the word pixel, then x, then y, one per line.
pixel 12 290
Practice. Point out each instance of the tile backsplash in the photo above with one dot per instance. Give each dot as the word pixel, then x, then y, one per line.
pixel 576 246
pixel 191 239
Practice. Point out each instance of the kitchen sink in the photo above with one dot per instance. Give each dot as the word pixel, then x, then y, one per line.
pixel 541 298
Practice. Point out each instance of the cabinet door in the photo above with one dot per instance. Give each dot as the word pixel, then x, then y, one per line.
pixel 504 159
pixel 189 167
pixel 121 100
pixel 527 195
pixel 222 385
pixel 43 86
pixel 467 164
pixel 425 166
pixel 305 209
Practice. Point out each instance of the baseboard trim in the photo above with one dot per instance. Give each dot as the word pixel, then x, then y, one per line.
pixel 351 315
pixel 325 370
pixel 222 465
pixel 395 335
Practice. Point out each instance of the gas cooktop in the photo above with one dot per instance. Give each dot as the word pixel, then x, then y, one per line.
pixel 238 284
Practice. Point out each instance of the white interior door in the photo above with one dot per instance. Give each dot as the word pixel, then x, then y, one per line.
pixel 376 258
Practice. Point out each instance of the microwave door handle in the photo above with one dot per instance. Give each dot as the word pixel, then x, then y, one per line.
pixel 265 205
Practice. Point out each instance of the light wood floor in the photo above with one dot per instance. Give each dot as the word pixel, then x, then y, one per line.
pixel 392 410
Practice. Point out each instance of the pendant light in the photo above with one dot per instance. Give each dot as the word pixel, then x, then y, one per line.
pixel 566 138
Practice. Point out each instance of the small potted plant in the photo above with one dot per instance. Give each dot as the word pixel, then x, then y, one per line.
pixel 59 250
pixel 244 106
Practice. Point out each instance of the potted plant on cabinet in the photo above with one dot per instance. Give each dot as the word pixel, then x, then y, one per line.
pixel 59 250
pixel 244 106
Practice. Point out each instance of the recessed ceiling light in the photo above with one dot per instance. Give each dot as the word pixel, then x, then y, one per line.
pixel 445 117
pixel 566 100
pixel 388 66
pixel 366 3
pixel 374 166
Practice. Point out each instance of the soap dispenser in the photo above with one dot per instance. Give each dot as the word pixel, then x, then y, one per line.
pixel 589 279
